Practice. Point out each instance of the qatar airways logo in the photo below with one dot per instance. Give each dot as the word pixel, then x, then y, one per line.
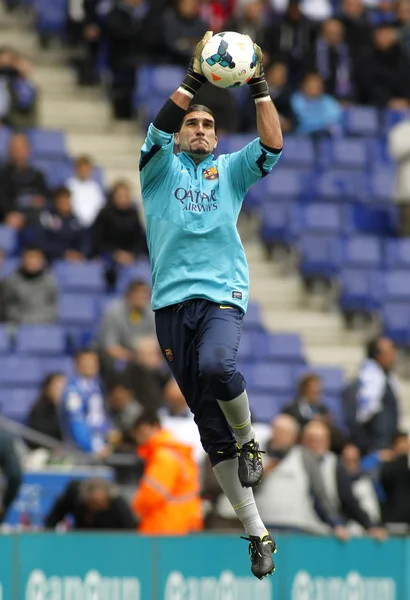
pixel 196 201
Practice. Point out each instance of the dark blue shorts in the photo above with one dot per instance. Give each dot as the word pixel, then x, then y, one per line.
pixel 200 340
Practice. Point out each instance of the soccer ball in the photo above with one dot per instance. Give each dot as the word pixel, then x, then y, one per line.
pixel 228 59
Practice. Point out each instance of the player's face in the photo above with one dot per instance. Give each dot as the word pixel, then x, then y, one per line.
pixel 197 135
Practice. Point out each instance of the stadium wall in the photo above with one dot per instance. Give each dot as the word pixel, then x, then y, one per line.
pixel 207 567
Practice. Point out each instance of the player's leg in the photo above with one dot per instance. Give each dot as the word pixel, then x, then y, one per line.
pixel 218 342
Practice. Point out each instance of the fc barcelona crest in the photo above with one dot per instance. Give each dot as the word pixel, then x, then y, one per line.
pixel 211 173
pixel 169 355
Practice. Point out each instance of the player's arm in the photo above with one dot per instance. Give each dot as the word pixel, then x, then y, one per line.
pixel 157 151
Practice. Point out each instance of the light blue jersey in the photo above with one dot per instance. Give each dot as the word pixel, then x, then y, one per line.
pixel 191 213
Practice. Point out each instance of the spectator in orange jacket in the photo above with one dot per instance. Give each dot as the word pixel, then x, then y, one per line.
pixel 167 501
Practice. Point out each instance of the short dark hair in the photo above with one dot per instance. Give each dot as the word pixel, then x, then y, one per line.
pixel 148 417
pixel 32 248
pixel 62 191
pixel 83 159
pixel 372 348
pixel 198 108
pixel 134 284
pixel 305 380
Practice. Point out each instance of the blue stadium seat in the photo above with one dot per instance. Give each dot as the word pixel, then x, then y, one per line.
pixel 335 406
pixel 393 117
pixel 361 121
pixel 277 348
pixel 4 339
pixel 346 153
pixel 42 340
pixel 298 152
pixel 140 270
pixel 285 183
pixel 277 225
pixel 56 171
pixel 396 322
pixel 245 353
pixel 320 255
pixel 265 407
pixel 57 364
pixel 381 184
pixel 397 253
pixel 80 277
pixel 8 240
pixel 378 153
pixel 362 251
pixel 361 290
pixel 380 219
pixel 341 185
pixel 48 143
pixel 323 218
pixel 275 378
pixel 397 285
pixel 16 403
pixel 78 310
pixel 51 17
pixel 253 317
pixel 8 266
pixel 19 371
pixel 5 135
pixel 158 82
pixel 237 141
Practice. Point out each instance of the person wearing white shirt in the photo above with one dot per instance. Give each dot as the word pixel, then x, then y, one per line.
pixel 87 196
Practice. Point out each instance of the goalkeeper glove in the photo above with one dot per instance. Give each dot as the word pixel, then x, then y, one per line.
pixel 194 78
pixel 258 84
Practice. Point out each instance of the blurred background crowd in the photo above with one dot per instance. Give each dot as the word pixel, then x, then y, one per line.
pixel 84 389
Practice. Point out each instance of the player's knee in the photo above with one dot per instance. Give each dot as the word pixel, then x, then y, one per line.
pixel 216 370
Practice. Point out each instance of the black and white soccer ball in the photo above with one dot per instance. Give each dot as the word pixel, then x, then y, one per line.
pixel 228 59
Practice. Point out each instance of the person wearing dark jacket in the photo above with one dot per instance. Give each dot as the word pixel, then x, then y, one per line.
pixel 183 28
pixel 44 414
pixel 93 504
pixel 118 233
pixel 316 438
pixel 58 232
pixel 395 481
pixel 11 471
pixel 356 23
pixel 384 71
pixel 23 188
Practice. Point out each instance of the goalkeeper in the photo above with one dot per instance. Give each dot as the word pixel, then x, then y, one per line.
pixel 200 280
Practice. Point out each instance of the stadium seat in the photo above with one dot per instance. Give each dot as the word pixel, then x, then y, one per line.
pixel 379 219
pixel 48 143
pixel 253 317
pixel 273 378
pixel 285 183
pixel 8 240
pixel 5 135
pixel 397 253
pixel 276 222
pixel 56 171
pixel 80 277
pixel 322 218
pixel 57 364
pixel 245 353
pixel 265 407
pixel 298 152
pixel 362 251
pixel 42 340
pixel 16 403
pixel 378 153
pixel 393 117
pixel 156 81
pixel 397 286
pixel 361 121
pixel 341 185
pixel 346 153
pixel 277 348
pixel 4 339
pixel 361 290
pixel 396 322
pixel 381 184
pixel 19 371
pixel 8 266
pixel 78 310
pixel 140 270
pixel 319 255
pixel 51 17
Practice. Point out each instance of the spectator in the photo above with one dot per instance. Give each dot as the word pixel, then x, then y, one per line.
pixel 23 188
pixel 125 320
pixel 316 113
pixel 175 404
pixel 312 10
pixel 87 197
pixel 395 481
pixel 146 375
pixel 133 37
pixel 57 231
pixel 370 401
pixel 118 234
pixel 330 57
pixel 215 13
pixel 183 28
pixel 30 294
pixel 292 490
pixel 280 91
pixel 11 471
pixel 6 71
pixel 383 73
pixel 363 486
pixel 123 408
pixel 85 418
pixel 23 91
pixel 316 438
pixel 92 504
pixel 354 18
pixel 399 148
pixel 250 18
pixel 167 501
pixel 44 416
pixel 403 25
